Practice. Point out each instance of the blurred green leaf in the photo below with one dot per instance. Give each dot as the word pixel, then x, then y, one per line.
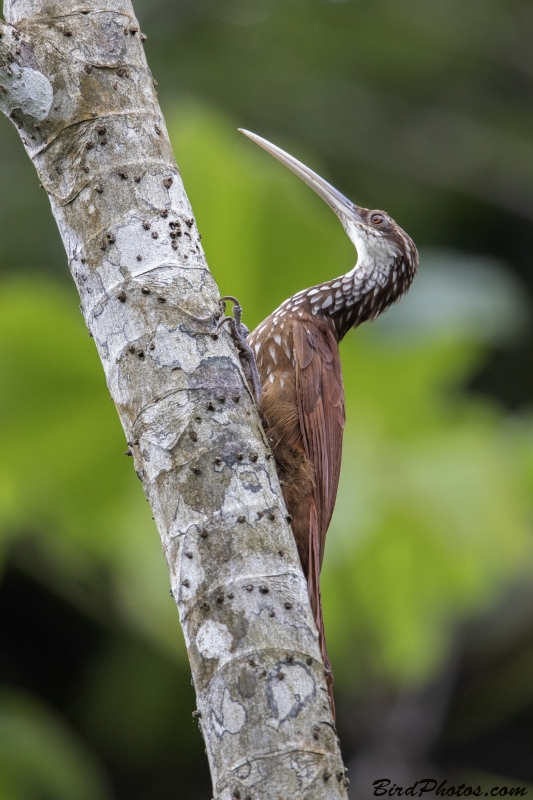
pixel 60 446
pixel 433 515
pixel 40 758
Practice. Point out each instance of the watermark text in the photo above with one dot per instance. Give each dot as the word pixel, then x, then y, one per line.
pixel 429 786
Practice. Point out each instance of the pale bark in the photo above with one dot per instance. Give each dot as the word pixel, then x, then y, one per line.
pixel 74 80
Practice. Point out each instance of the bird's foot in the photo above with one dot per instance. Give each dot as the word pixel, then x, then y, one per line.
pixel 239 333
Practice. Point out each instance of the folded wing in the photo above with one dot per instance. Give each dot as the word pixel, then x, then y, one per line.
pixel 320 396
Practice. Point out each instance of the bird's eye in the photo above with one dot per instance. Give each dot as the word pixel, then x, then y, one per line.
pixel 377 219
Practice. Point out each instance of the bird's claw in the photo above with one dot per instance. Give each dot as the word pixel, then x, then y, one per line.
pixel 239 332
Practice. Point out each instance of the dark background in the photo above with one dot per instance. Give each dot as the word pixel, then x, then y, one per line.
pixel 419 107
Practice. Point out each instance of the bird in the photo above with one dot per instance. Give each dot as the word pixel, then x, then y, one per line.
pixel 297 374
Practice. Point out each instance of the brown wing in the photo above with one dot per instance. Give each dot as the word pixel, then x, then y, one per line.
pixel 320 396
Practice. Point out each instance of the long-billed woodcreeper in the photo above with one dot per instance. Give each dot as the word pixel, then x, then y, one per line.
pixel 297 370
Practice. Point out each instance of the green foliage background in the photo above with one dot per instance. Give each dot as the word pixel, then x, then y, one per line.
pixel 432 530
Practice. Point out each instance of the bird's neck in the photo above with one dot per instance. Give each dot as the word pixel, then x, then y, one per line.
pixel 359 295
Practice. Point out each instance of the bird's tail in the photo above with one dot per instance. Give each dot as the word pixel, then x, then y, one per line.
pixel 313 585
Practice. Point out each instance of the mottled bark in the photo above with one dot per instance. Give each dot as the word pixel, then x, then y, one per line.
pixel 74 80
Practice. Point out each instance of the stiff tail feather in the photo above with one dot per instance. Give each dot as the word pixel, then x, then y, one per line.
pixel 313 585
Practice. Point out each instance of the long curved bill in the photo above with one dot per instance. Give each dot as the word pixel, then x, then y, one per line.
pixel 337 201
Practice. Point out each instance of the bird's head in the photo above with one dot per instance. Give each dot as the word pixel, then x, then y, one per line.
pixel 386 254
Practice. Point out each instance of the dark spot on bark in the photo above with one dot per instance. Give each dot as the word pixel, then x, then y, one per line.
pixel 99 188
pixel 145 290
pixel 122 297
pixel 264 589
pixel 241 519
pixel 186 582
pixel 167 183
pixel 246 683
pixel 155 235
pixel 308 661
pixel 146 225
pixel 101 131
pixel 288 605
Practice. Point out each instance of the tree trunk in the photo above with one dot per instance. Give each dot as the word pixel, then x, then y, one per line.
pixel 75 82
